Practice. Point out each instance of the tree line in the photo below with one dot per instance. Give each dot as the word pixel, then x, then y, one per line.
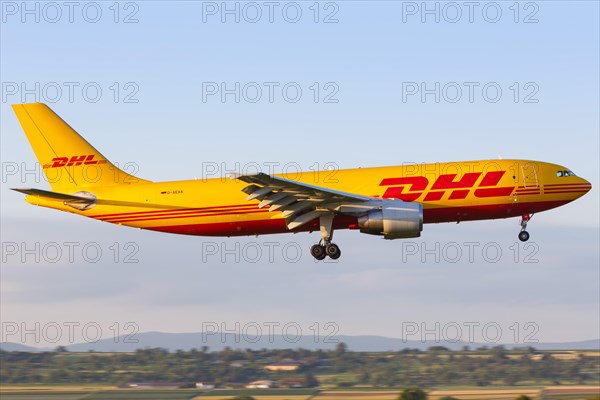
pixel 338 367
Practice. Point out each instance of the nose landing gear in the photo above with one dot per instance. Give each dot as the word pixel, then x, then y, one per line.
pixel 524 235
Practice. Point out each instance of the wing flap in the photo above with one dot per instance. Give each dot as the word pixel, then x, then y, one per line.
pixel 296 207
pixel 286 201
pixel 259 193
pixel 300 203
pixel 302 219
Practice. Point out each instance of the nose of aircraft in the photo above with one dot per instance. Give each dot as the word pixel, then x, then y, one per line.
pixel 586 185
pixel 582 187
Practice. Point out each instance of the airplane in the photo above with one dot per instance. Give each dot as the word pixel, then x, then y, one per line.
pixel 392 202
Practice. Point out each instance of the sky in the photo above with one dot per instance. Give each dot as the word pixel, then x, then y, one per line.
pixel 185 89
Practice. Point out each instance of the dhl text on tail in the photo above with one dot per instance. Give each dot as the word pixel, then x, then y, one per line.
pixel 393 202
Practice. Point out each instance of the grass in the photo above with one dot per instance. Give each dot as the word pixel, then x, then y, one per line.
pixel 260 392
pixel 102 393
pixel 263 397
pixel 145 394
pixel 42 396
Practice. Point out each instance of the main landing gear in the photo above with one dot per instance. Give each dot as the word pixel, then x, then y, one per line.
pixel 524 235
pixel 322 250
pixel 325 248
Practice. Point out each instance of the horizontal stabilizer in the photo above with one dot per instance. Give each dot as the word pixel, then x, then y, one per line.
pixel 79 200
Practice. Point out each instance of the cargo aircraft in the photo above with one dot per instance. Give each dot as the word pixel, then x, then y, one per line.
pixel 392 202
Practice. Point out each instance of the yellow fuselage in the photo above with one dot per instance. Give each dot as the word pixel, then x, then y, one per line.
pixel 449 192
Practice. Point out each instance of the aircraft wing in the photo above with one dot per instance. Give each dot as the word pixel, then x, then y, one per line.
pixel 300 202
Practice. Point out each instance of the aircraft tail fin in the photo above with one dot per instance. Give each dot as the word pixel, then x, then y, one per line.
pixel 67 159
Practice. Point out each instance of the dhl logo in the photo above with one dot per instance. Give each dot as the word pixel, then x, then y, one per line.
pixel 59 162
pixel 411 188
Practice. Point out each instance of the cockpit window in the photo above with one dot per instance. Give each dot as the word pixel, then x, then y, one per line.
pixel 560 174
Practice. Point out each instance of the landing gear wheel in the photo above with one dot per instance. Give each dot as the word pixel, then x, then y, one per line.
pixel 325 248
pixel 523 236
pixel 318 251
pixel 333 251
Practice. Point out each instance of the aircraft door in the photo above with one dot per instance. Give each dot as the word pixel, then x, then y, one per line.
pixel 529 175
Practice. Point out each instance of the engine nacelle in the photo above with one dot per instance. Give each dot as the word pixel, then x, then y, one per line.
pixel 395 220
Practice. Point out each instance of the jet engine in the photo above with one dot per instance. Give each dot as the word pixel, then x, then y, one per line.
pixel 396 219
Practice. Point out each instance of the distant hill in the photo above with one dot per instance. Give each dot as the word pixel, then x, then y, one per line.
pixel 8 346
pixel 216 342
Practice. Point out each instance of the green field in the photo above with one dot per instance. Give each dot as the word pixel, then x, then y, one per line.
pixel 486 373
pixel 75 393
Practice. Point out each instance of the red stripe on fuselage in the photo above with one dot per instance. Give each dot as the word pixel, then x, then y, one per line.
pixel 174 214
pixel 568 184
pixel 193 215
pixel 248 228
pixel 430 215
pixel 565 191
pixel 168 210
